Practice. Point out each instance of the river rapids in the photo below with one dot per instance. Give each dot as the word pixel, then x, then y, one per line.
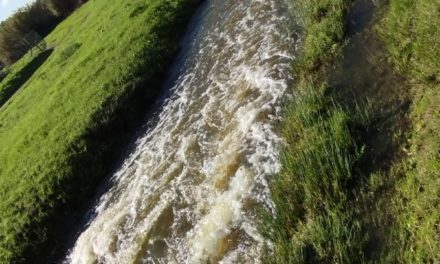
pixel 190 190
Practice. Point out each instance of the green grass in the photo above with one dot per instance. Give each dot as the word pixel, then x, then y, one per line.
pixel 332 204
pixel 324 23
pixel 59 129
pixel 21 73
pixel 317 217
pixel 411 33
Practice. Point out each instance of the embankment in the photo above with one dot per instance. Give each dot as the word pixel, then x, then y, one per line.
pixel 360 167
pixel 62 131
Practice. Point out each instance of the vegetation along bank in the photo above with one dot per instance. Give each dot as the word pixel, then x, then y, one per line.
pixel 38 18
pixel 360 181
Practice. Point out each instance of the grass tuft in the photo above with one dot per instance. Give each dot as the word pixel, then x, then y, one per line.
pixel 316 217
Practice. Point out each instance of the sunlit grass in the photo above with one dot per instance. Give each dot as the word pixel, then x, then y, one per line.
pixel 59 129
pixel 316 220
pixel 316 217
pixel 411 32
pixel 324 24
pixel 330 208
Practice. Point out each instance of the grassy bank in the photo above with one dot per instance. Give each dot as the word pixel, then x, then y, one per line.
pixel 341 196
pixel 20 74
pixel 316 220
pixel 411 33
pixel 66 121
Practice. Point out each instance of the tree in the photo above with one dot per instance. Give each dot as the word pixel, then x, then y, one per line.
pixel 11 46
pixel 39 17
pixel 34 17
pixel 63 8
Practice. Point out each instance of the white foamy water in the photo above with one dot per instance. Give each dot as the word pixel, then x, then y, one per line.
pixel 188 192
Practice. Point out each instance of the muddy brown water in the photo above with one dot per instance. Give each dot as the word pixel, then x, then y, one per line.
pixel 189 191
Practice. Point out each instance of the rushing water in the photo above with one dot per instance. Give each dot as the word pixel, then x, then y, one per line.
pixel 188 192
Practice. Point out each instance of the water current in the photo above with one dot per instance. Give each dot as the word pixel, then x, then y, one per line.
pixel 189 191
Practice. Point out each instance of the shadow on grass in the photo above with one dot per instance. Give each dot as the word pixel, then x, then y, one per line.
pixel 20 78
pixel 363 73
pixel 344 132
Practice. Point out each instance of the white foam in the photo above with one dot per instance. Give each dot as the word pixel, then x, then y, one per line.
pixel 184 194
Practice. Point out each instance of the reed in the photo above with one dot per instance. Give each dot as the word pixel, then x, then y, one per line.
pixel 316 220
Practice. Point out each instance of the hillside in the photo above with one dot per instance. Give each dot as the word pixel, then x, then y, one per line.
pixel 55 141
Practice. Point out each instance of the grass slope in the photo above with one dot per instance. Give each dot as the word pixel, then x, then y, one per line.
pixel 61 127
pixel 316 220
pixel 332 206
pixel 21 73
pixel 411 32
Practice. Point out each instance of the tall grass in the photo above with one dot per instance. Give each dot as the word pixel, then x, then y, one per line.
pixel 332 196
pixel 324 24
pixel 411 32
pixel 316 215
pixel 316 220
pixel 331 207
